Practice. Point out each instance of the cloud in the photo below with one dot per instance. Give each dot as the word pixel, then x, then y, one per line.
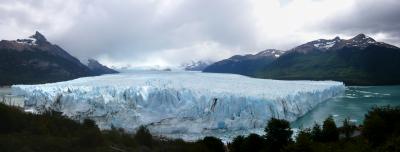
pixel 169 32
pixel 381 19
pixel 20 18
pixel 136 29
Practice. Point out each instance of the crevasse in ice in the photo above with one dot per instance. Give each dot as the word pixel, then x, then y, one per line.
pixel 179 103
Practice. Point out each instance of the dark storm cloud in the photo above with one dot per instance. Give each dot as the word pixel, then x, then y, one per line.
pixel 370 17
pixel 175 31
pixel 131 30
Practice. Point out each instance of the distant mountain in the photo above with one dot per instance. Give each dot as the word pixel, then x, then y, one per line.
pixel 196 66
pixel 35 60
pixel 357 61
pixel 98 68
pixel 245 64
pixel 360 41
pixel 133 68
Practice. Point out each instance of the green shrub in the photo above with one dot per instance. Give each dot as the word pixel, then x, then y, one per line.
pixel 143 137
pixel 380 124
pixel 316 133
pixel 330 132
pixel 278 134
pixel 213 144
pixel 348 128
pixel 237 144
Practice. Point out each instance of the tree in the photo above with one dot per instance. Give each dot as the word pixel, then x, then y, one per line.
pixel 237 144
pixel 278 134
pixel 303 142
pixel 90 124
pixel 330 132
pixel 380 124
pixel 316 133
pixel 90 134
pixel 213 144
pixel 143 137
pixel 253 143
pixel 392 144
pixel 348 128
pixel 11 120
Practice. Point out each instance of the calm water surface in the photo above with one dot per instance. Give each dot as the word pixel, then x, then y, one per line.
pixel 353 105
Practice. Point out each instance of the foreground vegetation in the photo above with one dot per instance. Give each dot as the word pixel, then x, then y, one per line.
pixel 379 132
pixel 51 131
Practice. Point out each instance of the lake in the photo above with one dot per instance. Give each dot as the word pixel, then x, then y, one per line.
pixel 353 105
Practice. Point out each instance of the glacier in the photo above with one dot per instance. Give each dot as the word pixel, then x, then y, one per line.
pixel 178 104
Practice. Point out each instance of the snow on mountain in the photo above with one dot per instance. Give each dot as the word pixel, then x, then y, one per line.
pixel 360 41
pixel 29 41
pixel 35 60
pixel 270 52
pixel 196 65
pixel 325 44
pixel 36 39
pixel 187 105
pixel 247 64
pixel 320 44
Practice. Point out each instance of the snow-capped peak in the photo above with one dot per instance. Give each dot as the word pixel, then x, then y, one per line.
pixel 337 38
pixel 361 36
pixel 270 52
pixel 196 65
pixel 40 39
pixel 35 39
pixel 362 39
pixel 324 44
pixel 29 41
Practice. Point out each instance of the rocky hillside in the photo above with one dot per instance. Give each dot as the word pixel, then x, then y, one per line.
pixel 98 68
pixel 35 60
pixel 244 64
pixel 357 61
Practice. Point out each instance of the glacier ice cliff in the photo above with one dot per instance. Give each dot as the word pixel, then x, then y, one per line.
pixel 179 104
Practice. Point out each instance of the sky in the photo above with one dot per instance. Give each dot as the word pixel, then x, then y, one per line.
pixel 167 33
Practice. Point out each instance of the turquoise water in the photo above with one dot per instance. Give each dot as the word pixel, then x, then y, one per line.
pixel 354 104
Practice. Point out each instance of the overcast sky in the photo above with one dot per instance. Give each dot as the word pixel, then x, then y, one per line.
pixel 170 32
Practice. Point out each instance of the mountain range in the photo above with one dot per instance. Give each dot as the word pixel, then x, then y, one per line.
pixel 35 60
pixel 357 61
pixel 244 64
pixel 99 69
pixel 196 65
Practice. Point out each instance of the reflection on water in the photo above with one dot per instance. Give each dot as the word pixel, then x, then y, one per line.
pixel 353 105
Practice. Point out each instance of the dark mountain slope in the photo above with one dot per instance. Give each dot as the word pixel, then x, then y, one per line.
pixel 35 60
pixel 357 61
pixel 98 68
pixel 246 64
